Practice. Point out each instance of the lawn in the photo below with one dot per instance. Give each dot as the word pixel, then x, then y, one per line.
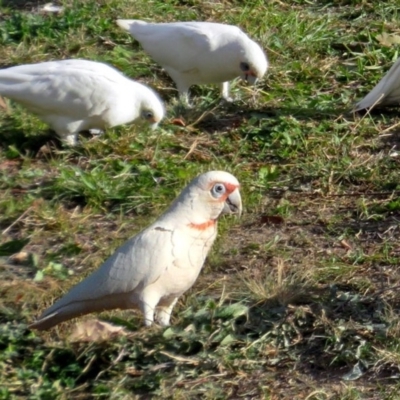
pixel 300 298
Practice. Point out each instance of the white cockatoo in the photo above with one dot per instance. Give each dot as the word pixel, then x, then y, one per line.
pixel 196 53
pixel 386 92
pixel 152 269
pixel 77 95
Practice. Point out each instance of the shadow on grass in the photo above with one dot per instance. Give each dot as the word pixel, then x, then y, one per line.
pixel 375 228
pixel 230 116
pixel 300 113
pixel 380 111
pixel 391 140
pixel 15 138
pixel 23 4
pixel 385 225
pixel 324 333
pixel 320 332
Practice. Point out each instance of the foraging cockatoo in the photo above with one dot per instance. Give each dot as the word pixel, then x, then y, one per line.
pixel 196 53
pixel 76 95
pixel 386 92
pixel 152 269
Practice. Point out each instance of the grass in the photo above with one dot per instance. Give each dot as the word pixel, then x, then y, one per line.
pixel 299 299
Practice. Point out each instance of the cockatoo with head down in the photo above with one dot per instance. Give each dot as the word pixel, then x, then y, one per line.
pixel 386 92
pixel 77 95
pixel 152 269
pixel 196 53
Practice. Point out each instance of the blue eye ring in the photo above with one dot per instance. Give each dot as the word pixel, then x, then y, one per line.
pixel 218 190
pixel 146 114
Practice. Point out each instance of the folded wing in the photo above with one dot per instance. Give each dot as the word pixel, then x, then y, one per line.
pixel 176 45
pixel 136 264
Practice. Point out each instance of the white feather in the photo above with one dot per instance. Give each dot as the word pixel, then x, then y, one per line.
pixel 76 95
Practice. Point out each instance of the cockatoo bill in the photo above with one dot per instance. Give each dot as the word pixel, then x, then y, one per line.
pixel 233 204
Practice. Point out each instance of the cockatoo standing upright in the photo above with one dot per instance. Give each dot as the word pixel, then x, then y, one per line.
pixel 196 53
pixel 152 269
pixel 77 95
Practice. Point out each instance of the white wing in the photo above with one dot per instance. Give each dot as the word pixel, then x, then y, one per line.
pixel 60 86
pixel 387 91
pixel 178 45
pixel 138 262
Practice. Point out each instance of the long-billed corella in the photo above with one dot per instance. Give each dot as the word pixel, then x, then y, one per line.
pixel 196 53
pixel 386 92
pixel 155 267
pixel 76 95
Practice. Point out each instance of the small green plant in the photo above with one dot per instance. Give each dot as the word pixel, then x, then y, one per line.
pixel 55 270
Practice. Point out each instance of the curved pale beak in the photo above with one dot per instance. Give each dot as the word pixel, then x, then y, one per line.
pixel 153 123
pixel 250 78
pixel 233 204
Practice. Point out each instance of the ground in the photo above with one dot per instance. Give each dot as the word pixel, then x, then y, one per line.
pixel 299 299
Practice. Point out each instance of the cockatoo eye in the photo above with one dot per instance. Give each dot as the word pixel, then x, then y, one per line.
pixel 244 67
pixel 218 190
pixel 147 115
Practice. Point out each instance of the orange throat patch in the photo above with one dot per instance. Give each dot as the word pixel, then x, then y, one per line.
pixel 204 225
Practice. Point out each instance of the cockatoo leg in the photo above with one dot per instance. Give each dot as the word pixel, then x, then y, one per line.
pixel 148 305
pixel 183 90
pixel 164 312
pixel 184 99
pixel 225 92
pixel 96 132
pixel 70 139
